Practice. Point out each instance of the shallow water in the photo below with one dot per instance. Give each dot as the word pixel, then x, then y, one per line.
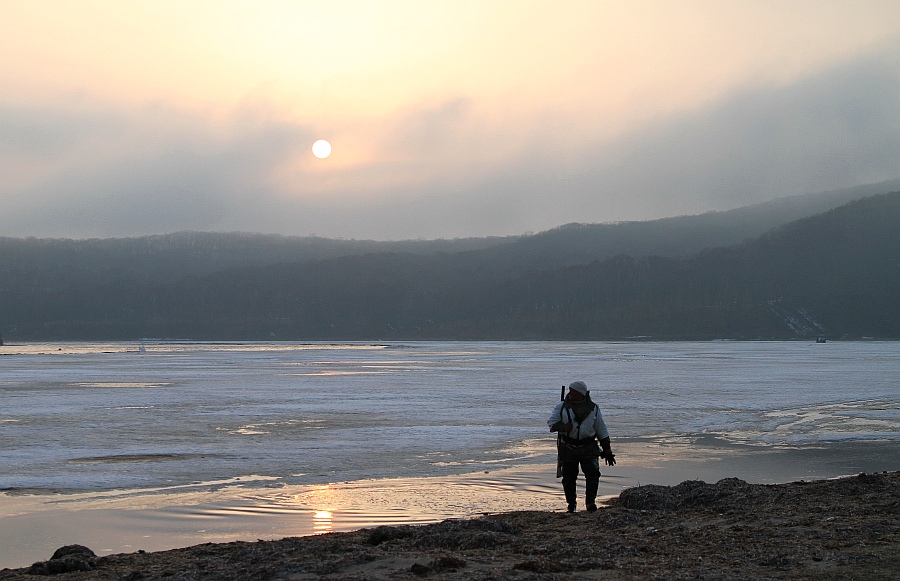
pixel 192 442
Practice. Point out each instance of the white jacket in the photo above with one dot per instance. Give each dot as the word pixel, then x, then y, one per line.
pixel 593 424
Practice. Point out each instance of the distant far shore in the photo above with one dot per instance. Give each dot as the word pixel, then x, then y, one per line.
pixel 847 528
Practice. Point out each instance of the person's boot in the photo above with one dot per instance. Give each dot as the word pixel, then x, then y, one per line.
pixel 571 507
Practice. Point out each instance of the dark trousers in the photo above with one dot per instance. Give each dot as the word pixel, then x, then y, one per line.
pixel 591 469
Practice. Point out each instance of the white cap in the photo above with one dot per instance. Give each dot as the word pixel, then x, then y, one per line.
pixel 579 386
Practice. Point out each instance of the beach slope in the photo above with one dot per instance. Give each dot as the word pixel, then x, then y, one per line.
pixel 846 528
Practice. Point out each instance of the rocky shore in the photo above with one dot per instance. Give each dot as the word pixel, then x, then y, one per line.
pixel 847 528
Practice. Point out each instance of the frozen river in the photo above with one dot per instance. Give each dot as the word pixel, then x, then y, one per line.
pixel 99 416
pixel 105 420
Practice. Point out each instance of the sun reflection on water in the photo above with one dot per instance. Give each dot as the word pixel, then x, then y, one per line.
pixel 323 521
pixel 321 499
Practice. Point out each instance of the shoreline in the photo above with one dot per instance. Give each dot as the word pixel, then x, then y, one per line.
pixel 123 521
pixel 847 528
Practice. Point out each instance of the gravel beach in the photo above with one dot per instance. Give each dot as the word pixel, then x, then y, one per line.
pixel 847 528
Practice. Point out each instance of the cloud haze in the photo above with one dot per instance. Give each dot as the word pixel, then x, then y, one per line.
pixel 463 152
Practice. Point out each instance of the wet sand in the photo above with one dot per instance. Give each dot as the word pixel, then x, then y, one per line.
pixel 32 526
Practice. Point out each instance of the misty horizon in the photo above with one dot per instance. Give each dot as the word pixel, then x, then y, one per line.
pixel 831 198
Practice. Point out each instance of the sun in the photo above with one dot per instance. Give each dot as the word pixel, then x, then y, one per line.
pixel 321 149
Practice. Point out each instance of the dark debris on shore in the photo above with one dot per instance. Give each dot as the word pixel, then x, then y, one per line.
pixel 846 528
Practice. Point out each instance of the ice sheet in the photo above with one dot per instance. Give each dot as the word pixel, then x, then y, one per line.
pixel 100 416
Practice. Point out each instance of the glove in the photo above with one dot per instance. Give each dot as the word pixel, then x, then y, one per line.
pixel 607 453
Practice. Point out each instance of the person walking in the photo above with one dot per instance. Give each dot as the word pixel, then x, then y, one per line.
pixel 581 433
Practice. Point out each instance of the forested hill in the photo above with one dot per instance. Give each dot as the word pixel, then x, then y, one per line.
pixel 835 274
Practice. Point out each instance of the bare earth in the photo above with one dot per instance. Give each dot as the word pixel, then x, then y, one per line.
pixel 834 529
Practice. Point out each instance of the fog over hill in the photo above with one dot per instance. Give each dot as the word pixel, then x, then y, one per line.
pixel 167 257
pixel 782 269
pixel 573 244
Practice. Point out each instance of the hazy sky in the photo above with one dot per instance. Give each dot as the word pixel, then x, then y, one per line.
pixel 447 118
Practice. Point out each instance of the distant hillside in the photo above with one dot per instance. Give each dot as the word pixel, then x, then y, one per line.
pixel 575 244
pixel 167 258
pixel 835 274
